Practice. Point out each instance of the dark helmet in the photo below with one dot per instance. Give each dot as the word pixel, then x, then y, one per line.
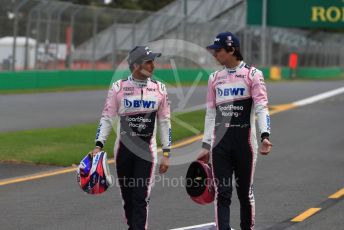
pixel 93 174
pixel 199 182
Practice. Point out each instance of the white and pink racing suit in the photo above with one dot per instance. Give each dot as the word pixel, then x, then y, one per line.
pixel 141 107
pixel 234 97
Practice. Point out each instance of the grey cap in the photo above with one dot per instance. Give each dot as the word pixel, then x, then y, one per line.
pixel 141 54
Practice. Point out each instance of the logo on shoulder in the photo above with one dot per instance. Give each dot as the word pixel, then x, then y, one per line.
pixel 162 88
pixel 117 85
pixel 253 72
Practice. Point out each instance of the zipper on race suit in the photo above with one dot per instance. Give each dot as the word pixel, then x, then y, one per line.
pixel 141 94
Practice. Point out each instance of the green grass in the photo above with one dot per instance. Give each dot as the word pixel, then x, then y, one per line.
pixel 67 146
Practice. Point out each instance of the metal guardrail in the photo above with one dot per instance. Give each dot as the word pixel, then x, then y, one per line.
pixel 47 34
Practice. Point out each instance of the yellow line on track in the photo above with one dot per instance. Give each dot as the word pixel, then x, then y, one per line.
pixel 337 195
pixel 188 141
pixel 73 168
pixel 306 214
pixel 37 176
pixel 280 108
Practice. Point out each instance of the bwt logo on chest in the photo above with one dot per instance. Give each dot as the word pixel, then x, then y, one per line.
pixel 139 104
pixel 231 91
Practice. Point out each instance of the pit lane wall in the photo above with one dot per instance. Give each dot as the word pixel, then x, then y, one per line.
pixel 66 78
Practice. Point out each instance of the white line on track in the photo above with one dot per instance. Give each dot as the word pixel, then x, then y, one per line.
pixel 319 97
pixel 212 224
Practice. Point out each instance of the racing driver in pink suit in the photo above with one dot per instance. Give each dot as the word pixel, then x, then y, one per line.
pixel 141 105
pixel 235 95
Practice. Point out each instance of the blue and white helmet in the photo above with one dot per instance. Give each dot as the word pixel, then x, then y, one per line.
pixel 93 174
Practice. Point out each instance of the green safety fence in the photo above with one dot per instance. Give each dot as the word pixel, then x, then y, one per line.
pixel 63 78
pixel 66 78
pixel 319 73
pixel 302 73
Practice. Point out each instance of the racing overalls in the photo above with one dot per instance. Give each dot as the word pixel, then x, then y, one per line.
pixel 234 96
pixel 138 106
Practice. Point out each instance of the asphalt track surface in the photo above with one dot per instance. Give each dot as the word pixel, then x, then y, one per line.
pixel 43 110
pixel 304 168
